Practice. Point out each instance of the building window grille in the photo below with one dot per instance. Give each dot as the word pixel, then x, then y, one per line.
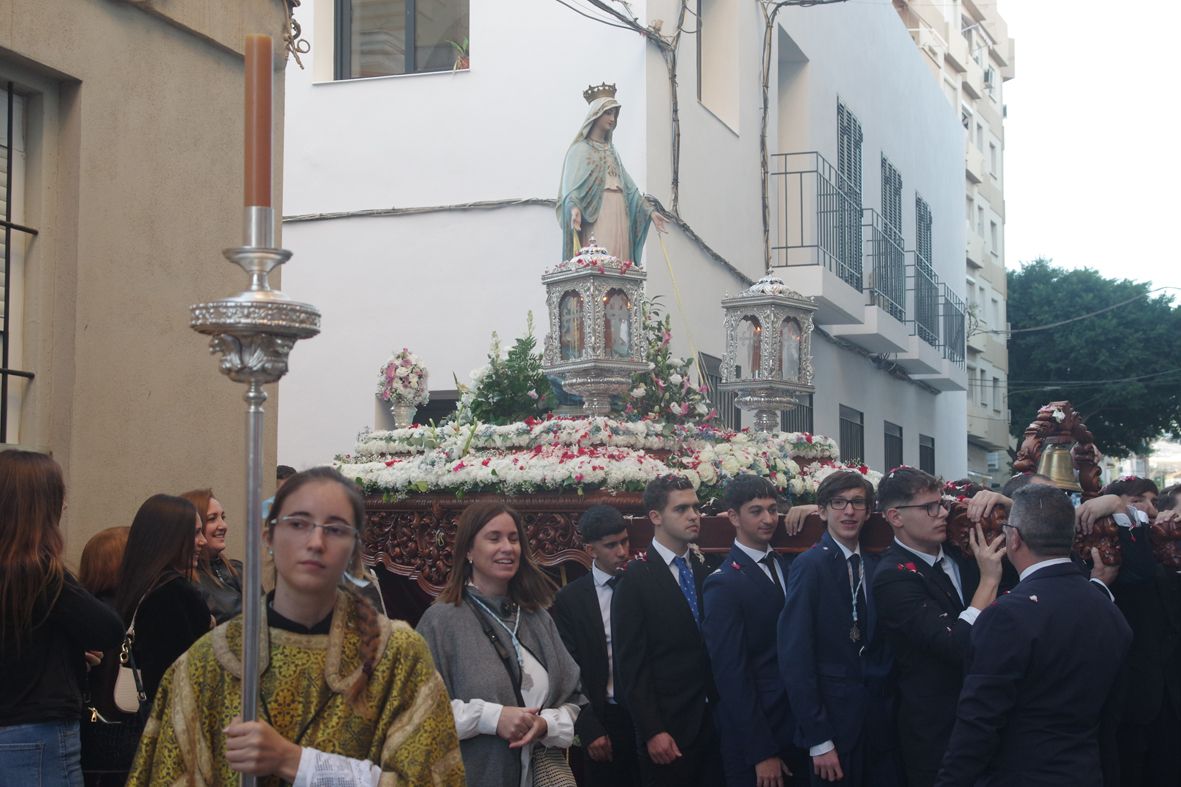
pixel 926 286
pixel 892 445
pixel 385 37
pixel 927 454
pixel 15 238
pixel 852 435
pixel 799 418
pixel 723 401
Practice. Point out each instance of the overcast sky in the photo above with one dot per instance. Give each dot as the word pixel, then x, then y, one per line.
pixel 1092 155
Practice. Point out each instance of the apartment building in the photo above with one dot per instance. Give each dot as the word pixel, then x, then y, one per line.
pixel 423 159
pixel 967 47
pixel 120 182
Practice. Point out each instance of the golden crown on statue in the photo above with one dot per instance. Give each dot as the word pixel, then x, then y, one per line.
pixel 598 91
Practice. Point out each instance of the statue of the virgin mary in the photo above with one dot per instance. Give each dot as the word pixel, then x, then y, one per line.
pixel 597 197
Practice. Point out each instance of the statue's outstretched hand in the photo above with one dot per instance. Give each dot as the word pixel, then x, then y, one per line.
pixel 660 222
pixel 576 219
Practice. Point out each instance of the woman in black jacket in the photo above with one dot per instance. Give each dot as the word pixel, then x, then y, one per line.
pixel 48 623
pixel 157 591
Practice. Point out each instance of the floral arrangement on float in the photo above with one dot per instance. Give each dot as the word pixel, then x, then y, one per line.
pixel 665 392
pixel 506 438
pixel 402 384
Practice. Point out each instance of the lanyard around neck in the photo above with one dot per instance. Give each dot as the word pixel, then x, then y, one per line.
pixel 512 632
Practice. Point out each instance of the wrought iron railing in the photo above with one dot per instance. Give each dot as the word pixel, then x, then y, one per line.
pixel 923 285
pixel 954 325
pixel 885 264
pixel 819 216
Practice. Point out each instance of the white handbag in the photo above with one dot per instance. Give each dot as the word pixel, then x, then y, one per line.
pixel 129 687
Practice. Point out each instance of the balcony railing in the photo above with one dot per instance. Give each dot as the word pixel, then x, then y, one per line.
pixel 923 285
pixel 820 216
pixel 885 276
pixel 954 326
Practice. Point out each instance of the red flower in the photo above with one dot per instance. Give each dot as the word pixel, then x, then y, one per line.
pixel 908 567
pixel 864 469
pixel 734 565
pixel 807 437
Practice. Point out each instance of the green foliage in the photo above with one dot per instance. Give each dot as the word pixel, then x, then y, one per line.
pixel 665 392
pixel 511 388
pixel 1114 367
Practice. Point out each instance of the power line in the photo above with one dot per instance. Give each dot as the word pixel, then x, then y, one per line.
pixel 1094 382
pixel 1144 294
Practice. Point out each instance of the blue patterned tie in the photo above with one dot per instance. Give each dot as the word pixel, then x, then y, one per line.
pixel 690 592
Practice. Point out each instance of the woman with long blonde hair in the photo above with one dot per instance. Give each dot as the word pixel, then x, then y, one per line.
pixel 48 623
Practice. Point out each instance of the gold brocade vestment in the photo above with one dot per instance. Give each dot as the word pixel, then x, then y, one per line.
pixel 407 727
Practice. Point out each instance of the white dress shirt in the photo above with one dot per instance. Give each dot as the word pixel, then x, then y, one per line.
pixel 1057 561
pixel 667 556
pixel 604 592
pixel 827 746
pixel 757 556
pixel 952 570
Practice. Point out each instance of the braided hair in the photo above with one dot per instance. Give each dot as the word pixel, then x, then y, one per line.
pixel 368 624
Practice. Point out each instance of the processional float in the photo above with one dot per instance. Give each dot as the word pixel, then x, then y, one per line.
pixel 254 332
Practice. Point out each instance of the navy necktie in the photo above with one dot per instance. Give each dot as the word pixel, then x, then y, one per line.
pixel 687 587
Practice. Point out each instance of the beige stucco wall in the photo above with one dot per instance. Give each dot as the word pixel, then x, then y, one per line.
pixel 134 159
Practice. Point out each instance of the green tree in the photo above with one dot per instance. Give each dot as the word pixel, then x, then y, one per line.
pixel 1113 364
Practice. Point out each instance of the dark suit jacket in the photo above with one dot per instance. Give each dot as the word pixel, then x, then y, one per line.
pixel 576 613
pixel 662 669
pixel 1150 598
pixel 930 642
pixel 1044 661
pixel 742 608
pixel 830 680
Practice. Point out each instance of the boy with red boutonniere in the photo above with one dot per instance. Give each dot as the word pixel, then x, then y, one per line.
pixel 743 600
pixel 832 655
pixel 662 667
pixel 928 596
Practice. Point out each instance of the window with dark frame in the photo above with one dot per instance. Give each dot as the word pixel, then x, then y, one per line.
pixel 927 454
pixel 722 401
pixel 799 418
pixel 387 37
pixel 892 446
pixel 14 233
pixel 849 171
pixel 852 435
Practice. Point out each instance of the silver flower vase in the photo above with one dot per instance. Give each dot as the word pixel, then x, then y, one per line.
pixel 403 414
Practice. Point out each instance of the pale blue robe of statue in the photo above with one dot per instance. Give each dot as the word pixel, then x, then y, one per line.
pixel 589 171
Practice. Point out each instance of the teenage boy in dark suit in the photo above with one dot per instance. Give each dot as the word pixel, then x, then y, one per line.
pixel 661 662
pixel 832 655
pixel 743 600
pixel 582 612
pixel 928 596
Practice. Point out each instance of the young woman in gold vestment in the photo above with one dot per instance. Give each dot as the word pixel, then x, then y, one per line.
pixel 346 695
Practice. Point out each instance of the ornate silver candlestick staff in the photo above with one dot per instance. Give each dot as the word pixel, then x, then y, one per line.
pixel 254 332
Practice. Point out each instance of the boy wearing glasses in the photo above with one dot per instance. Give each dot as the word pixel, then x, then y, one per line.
pixel 928 596
pixel 835 663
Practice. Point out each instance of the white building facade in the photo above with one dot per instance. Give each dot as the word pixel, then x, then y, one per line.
pixel 419 206
pixel 967 47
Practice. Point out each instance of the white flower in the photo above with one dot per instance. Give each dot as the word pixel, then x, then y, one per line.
pixel 730 466
pixel 797 486
pixel 702 408
pixel 707 473
pixel 638 392
pixel 675 379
